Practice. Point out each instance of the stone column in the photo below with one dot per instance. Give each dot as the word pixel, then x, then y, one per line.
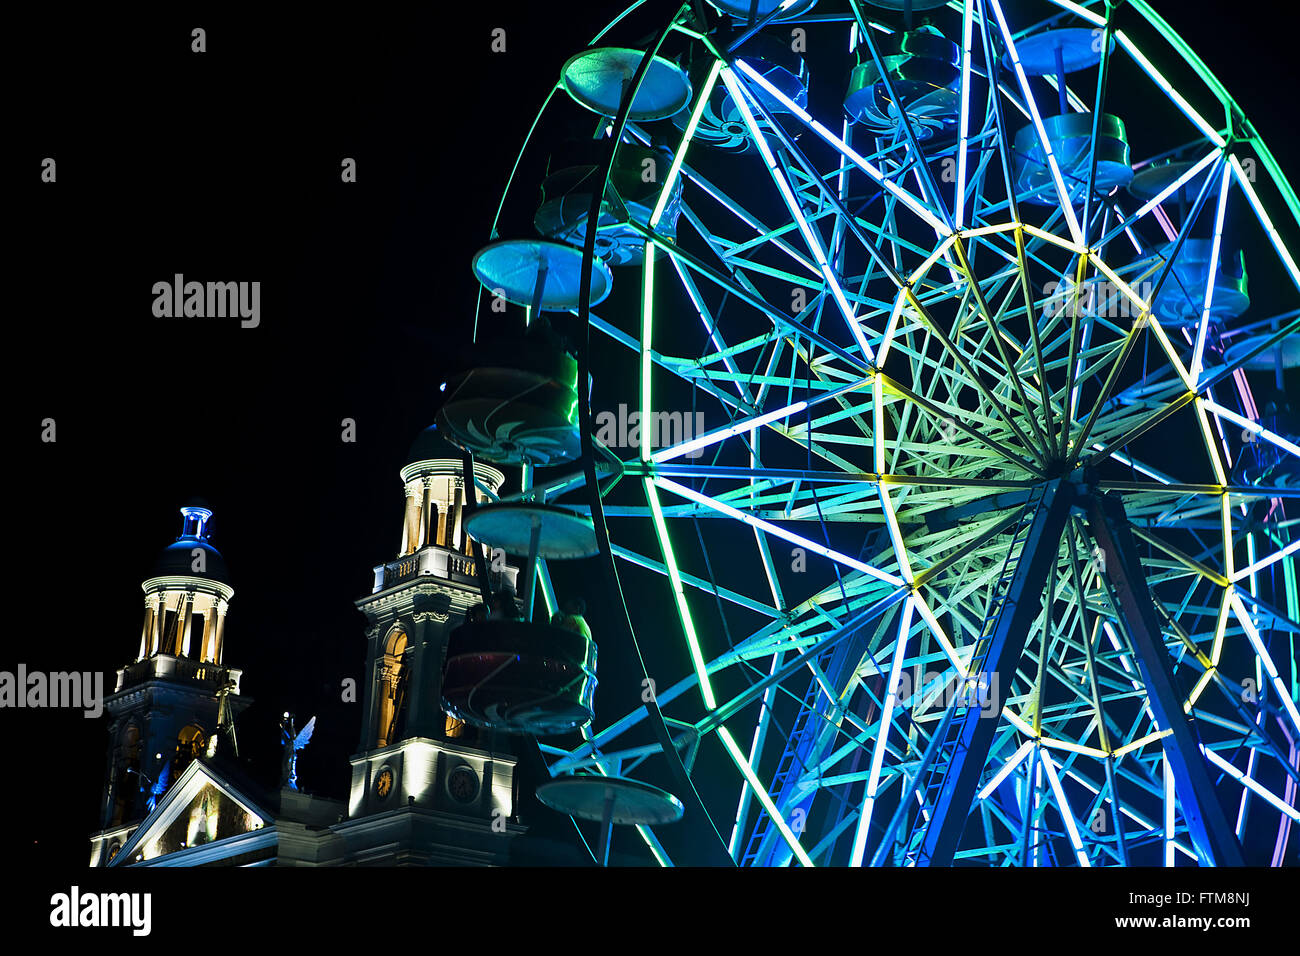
pixel 159 621
pixel 453 520
pixel 410 522
pixel 184 610
pixel 406 523
pixel 219 638
pixel 385 680
pixel 205 642
pixel 426 514
pixel 144 632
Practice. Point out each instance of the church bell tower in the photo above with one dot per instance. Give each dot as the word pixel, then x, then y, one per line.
pixel 427 789
pixel 174 701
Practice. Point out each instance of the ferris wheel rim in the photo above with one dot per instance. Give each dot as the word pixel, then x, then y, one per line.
pixel 589 253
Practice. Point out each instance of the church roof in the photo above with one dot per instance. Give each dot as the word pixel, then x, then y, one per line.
pixel 430 445
pixel 206 806
pixel 179 558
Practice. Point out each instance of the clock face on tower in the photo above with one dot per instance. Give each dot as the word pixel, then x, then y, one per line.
pixel 384 782
pixel 462 784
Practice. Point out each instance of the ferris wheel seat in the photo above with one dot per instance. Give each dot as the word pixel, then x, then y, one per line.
pixel 1070 136
pixel 1182 297
pixel 721 124
pixel 1151 180
pixel 515 268
pixel 779 65
pixel 519 677
pixel 562 534
pixel 1078 49
pixel 1270 467
pixel 631 195
pixel 596 79
pixel 632 802
pixel 1266 360
pixel 517 404
pixel 922 67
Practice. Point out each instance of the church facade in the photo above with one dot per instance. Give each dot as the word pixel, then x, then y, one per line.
pixel 426 789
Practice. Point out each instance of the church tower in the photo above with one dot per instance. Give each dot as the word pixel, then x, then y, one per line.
pixel 427 789
pixel 170 703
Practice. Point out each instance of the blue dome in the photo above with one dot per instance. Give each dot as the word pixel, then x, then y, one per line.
pixel 430 445
pixel 178 558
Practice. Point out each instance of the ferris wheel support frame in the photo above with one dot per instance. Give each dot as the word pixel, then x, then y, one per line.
pixel 1210 832
pixel 971 733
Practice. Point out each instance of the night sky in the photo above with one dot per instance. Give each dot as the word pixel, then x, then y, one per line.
pixel 225 166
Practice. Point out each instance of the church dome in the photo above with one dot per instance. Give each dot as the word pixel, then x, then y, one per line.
pixel 178 558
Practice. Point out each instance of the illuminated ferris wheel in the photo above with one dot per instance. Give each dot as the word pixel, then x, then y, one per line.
pixel 954 515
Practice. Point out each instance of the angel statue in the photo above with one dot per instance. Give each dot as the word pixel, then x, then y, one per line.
pixel 159 788
pixel 292 741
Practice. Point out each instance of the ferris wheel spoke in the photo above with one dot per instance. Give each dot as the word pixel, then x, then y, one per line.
pixel 780 178
pixel 1143 426
pixel 733 207
pixel 912 202
pixel 776 530
pixel 930 188
pixel 1079 441
pixel 1099 100
pixel 948 416
pixel 973 379
pixel 737 285
pixel 1030 410
pixel 1063 194
pixel 698 583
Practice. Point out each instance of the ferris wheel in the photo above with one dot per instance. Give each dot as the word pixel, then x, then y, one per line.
pixel 919 393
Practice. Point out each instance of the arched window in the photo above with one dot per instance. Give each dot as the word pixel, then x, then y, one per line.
pixel 190 743
pixel 127 783
pixel 394 672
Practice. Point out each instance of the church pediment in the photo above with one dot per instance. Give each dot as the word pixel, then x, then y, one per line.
pixel 200 808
